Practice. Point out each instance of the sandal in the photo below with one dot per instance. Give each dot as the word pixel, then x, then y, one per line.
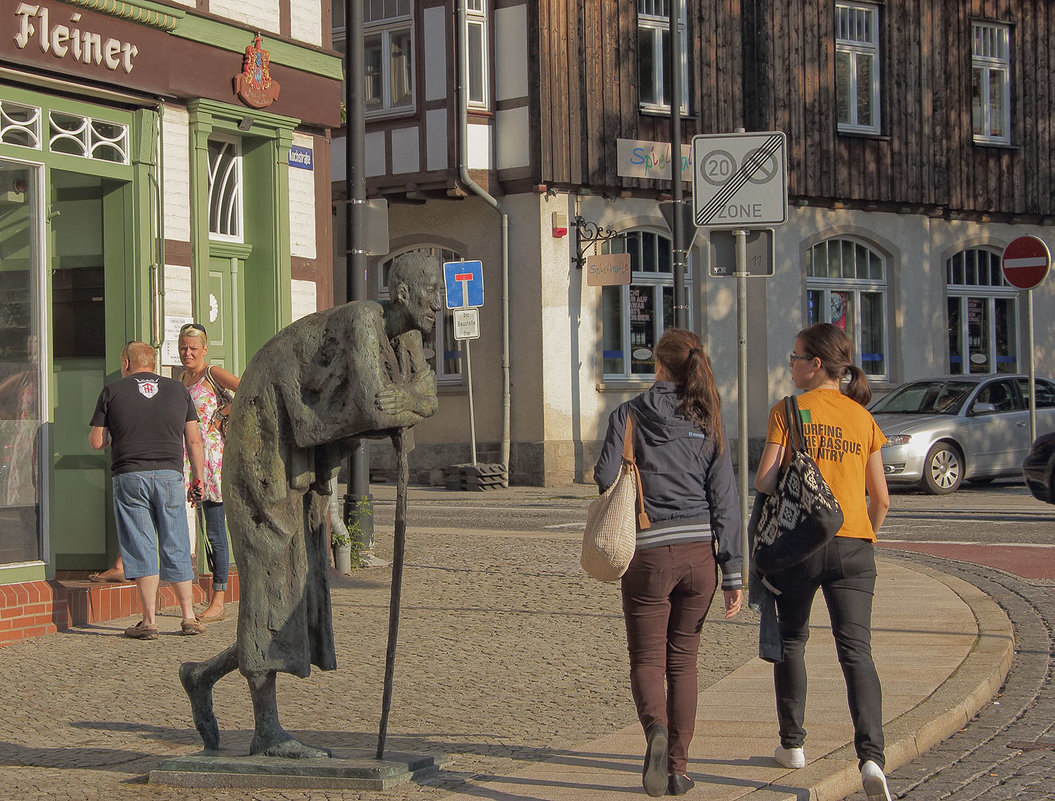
pixel 214 618
pixel 190 627
pixel 142 631
pixel 104 578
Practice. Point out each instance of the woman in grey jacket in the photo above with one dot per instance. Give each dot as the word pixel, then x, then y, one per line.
pixel 690 496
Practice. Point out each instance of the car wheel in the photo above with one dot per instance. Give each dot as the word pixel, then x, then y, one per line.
pixel 942 469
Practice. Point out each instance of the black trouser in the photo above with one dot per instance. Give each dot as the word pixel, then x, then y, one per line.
pixel 845 572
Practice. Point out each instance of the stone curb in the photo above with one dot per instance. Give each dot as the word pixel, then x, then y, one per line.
pixel 948 709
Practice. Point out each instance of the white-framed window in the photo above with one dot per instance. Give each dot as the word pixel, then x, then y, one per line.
pixel 388 45
pixel 846 285
pixel 634 316
pixel 982 313
pixel 857 67
pixel 446 358
pixel 225 190
pixel 653 44
pixel 991 82
pixel 476 53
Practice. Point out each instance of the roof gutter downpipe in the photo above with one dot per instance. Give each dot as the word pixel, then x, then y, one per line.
pixel 479 191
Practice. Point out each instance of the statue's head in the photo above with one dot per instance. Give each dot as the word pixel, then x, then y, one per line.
pixel 414 284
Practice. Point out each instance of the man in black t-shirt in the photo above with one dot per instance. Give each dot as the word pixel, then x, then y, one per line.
pixel 147 420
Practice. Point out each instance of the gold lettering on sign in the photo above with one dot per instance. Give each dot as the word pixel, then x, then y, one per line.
pixel 86 47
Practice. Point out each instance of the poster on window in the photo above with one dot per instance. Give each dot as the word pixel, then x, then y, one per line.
pixel 642 329
pixel 839 303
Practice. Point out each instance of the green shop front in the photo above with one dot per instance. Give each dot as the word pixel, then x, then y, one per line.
pixel 84 242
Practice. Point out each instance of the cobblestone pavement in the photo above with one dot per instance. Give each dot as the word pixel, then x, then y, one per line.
pixel 508 653
pixel 1008 750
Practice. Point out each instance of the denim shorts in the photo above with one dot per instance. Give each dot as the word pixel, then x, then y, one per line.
pixel 152 525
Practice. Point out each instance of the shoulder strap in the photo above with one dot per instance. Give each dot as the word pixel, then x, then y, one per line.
pixel 643 520
pixel 796 438
pixel 222 395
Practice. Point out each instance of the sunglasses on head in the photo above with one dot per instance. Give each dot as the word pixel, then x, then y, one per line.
pixel 197 326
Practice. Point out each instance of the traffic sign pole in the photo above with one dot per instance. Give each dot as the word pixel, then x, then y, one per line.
pixel 1025 264
pixel 740 237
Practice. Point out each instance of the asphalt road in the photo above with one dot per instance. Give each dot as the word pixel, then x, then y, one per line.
pixel 1002 512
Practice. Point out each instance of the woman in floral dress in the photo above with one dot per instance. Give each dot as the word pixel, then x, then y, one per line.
pixel 201 379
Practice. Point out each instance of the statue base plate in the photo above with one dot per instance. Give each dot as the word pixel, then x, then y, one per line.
pixel 346 770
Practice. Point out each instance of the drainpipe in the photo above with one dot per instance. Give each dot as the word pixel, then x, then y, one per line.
pixel 479 191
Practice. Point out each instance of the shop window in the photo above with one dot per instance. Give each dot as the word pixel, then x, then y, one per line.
pixel 634 316
pixel 19 124
pixel 225 190
pixel 653 43
pixel 991 82
pixel 857 67
pixel 388 37
pixel 445 350
pixel 846 285
pixel 77 135
pixel 982 314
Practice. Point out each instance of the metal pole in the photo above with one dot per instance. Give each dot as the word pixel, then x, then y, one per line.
pixel 355 256
pixel 398 548
pixel 472 412
pixel 679 254
pixel 1032 369
pixel 740 239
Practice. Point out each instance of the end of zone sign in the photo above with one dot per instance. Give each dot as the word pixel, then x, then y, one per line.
pixel 740 180
pixel 1026 262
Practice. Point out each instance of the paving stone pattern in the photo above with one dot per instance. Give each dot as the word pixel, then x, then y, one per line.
pixel 1008 750
pixel 508 653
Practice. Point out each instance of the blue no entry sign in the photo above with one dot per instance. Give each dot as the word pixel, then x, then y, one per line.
pixel 464 281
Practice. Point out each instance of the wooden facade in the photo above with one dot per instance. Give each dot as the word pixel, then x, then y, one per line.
pixel 769 64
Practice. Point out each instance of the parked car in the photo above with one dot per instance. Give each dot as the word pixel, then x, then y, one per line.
pixel 942 431
pixel 1039 468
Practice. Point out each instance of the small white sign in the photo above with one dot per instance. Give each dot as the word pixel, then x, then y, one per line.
pixel 170 348
pixel 466 323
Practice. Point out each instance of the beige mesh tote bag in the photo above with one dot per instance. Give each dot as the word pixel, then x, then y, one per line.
pixel 612 520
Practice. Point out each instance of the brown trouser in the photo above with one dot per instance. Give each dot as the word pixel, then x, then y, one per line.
pixel 666 594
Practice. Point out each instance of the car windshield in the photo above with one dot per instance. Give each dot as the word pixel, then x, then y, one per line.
pixel 925 397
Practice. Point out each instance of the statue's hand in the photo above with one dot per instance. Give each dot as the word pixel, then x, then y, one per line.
pixel 391 401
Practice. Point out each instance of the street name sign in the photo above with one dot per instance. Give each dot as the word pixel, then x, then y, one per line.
pixel 1026 262
pixel 740 180
pixel 464 282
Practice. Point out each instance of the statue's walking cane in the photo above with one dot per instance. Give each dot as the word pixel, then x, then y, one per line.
pixel 398 544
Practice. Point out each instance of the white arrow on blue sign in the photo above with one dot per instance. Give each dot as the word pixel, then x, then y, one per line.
pixel 464 282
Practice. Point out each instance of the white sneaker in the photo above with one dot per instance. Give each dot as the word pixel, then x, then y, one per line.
pixel 790 757
pixel 874 782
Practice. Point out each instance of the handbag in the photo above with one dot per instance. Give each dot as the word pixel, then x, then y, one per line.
pixel 610 537
pixel 223 399
pixel 802 515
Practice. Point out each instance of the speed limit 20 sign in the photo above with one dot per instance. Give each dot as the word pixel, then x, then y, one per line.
pixel 740 180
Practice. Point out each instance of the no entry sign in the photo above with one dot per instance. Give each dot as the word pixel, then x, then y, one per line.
pixel 1025 262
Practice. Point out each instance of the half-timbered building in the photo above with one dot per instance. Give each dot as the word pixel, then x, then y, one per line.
pixel 919 144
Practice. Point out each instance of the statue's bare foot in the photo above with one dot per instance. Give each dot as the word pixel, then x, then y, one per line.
pixel 288 748
pixel 200 696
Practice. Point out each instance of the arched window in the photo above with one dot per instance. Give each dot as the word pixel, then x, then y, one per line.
pixel 446 358
pixel 846 285
pixel 634 316
pixel 982 314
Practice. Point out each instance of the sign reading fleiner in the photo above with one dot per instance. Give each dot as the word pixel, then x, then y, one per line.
pixel 608 270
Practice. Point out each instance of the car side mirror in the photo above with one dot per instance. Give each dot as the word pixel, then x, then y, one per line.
pixel 983 408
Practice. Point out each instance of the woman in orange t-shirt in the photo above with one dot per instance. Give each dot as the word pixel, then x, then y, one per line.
pixel 844 440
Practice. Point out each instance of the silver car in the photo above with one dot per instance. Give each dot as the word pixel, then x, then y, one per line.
pixel 942 431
